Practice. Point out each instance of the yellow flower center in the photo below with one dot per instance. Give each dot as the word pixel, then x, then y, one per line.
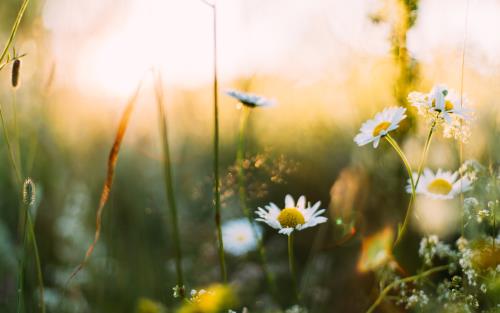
pixel 290 217
pixel 440 186
pixel 380 127
pixel 448 105
pixel 240 238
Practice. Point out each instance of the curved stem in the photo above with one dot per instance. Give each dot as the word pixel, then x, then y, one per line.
pixel 240 158
pixel 291 264
pixel 425 152
pixel 389 287
pixel 220 241
pixel 409 210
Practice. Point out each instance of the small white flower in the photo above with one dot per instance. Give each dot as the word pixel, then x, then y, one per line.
pixel 295 216
pixel 442 102
pixel 239 237
pixel 383 122
pixel 250 100
pixel 441 185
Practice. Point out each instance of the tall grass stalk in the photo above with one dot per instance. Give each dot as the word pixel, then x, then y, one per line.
pixel 27 225
pixel 461 147
pixel 220 241
pixel 169 189
pixel 240 159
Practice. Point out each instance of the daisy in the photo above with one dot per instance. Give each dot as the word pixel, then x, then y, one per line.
pixel 295 216
pixel 250 100
pixel 442 102
pixel 378 127
pixel 238 236
pixel 442 185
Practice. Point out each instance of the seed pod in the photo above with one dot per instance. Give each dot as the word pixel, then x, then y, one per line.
pixel 29 192
pixel 16 66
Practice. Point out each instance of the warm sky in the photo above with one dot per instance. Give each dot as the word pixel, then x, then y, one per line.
pixel 115 41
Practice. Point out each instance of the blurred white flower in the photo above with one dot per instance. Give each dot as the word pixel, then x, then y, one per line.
pixel 441 185
pixel 239 237
pixel 383 122
pixel 442 102
pixel 295 216
pixel 250 100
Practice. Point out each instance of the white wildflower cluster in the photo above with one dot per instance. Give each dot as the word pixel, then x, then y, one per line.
pixel 444 107
pixel 465 262
pixel 474 210
pixel 196 294
pixel 431 246
pixel 472 170
pixel 458 129
pixel 417 299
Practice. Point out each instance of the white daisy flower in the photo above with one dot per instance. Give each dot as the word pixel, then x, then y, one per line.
pixel 295 216
pixel 376 128
pixel 442 185
pixel 250 100
pixel 442 102
pixel 239 237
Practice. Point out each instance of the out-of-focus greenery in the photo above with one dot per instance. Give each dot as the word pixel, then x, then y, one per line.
pixel 299 147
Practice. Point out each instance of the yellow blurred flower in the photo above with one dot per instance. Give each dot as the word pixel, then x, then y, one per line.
pixel 485 255
pixel 376 250
pixel 145 305
pixel 216 298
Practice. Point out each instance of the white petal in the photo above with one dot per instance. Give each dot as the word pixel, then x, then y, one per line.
pixel 289 202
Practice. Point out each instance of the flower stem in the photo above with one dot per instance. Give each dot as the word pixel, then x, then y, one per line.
pixel 291 264
pixel 409 210
pixel 17 172
pixel 388 288
pixel 240 158
pixel 169 189
pixel 222 261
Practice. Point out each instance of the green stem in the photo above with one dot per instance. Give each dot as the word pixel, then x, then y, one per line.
pixel 291 264
pixel 169 189
pixel 222 260
pixel 395 283
pixel 17 173
pixel 38 265
pixel 414 187
pixel 13 31
pixel 409 210
pixel 20 270
pixel 16 143
pixel 240 158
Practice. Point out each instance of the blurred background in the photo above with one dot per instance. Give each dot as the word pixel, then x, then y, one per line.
pixel 329 64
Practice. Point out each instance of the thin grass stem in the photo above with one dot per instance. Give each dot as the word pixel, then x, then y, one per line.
pixel 222 261
pixel 392 285
pixel 240 159
pixel 169 188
